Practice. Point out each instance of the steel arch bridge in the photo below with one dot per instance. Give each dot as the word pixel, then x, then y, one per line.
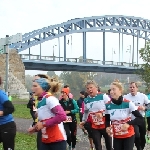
pixel 129 25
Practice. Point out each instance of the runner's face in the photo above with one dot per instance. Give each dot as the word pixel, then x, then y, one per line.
pixel 36 89
pixel 91 90
pixel 115 92
pixel 133 89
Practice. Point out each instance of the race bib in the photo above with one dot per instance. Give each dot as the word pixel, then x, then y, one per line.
pixel 69 119
pixel 96 120
pixel 117 128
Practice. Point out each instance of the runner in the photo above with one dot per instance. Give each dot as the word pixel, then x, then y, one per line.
pixel 87 126
pixel 7 124
pixel 39 134
pixel 79 102
pixel 70 124
pixel 140 100
pixel 94 106
pixel 119 112
pixel 50 115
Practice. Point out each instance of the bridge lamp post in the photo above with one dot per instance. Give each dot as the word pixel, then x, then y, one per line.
pixel 129 51
pixel 53 51
pixel 4 49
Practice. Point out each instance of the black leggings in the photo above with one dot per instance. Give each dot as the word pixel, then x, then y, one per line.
pixel 54 146
pixel 7 135
pixel 148 123
pixel 124 143
pixel 33 116
pixel 140 132
pixel 97 135
pixel 39 139
pixel 71 131
pixel 80 115
pixel 88 127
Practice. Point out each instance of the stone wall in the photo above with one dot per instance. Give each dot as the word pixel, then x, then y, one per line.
pixel 16 73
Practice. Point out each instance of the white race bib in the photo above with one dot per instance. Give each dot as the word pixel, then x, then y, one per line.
pixel 69 119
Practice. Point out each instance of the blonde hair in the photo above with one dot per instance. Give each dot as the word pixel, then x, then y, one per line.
pixel 55 84
pixel 91 82
pixel 136 84
pixel 118 84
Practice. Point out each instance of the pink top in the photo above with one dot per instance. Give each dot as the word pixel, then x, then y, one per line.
pixel 60 116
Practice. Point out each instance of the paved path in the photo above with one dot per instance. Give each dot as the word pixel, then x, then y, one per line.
pixel 23 125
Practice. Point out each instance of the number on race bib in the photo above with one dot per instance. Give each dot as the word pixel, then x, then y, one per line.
pixel 118 129
pixel 96 120
pixel 69 119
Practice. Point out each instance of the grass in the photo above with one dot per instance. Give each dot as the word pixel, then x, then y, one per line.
pixel 21 111
pixel 24 142
pixel 16 99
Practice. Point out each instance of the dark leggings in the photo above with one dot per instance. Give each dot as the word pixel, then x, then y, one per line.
pixel 148 123
pixel 39 139
pixel 124 143
pixel 140 132
pixel 54 146
pixel 33 116
pixel 71 131
pixel 7 135
pixel 87 127
pixel 97 135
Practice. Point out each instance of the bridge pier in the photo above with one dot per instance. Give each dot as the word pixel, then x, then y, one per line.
pixel 84 46
pixel 137 47
pixel 65 48
pixel 104 47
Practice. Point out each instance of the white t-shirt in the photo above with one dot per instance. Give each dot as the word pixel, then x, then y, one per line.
pixel 139 99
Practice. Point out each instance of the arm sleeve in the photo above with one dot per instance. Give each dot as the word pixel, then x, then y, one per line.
pixel 136 113
pixel 76 108
pixel 107 120
pixel 56 108
pixel 8 108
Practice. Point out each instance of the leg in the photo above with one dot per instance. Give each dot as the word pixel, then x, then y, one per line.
pixel 148 125
pixel 80 115
pixel 73 129
pixel 8 133
pixel 142 130
pixel 96 135
pixel 108 142
pixel 137 140
pixel 118 144
pixel 129 143
pixel 54 146
pixel 67 129
pixel 39 139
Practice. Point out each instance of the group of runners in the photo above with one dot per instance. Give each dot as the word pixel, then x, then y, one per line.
pixel 118 118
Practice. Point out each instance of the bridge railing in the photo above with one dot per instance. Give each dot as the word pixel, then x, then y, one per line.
pixel 74 60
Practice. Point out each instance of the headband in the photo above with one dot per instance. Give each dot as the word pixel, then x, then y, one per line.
pixel 43 84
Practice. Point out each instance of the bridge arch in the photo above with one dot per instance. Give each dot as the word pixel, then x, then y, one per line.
pixel 135 26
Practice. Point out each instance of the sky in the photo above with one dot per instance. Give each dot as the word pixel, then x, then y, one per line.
pixel 23 16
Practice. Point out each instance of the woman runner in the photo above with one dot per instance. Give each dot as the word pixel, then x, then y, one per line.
pixel 119 113
pixel 50 115
pixel 94 106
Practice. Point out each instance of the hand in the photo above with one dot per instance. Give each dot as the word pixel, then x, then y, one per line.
pixel 99 115
pixel 109 131
pixel 125 127
pixel 142 108
pixel 31 130
pixel 1 113
pixel 68 112
pixel 81 124
pixel 39 126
